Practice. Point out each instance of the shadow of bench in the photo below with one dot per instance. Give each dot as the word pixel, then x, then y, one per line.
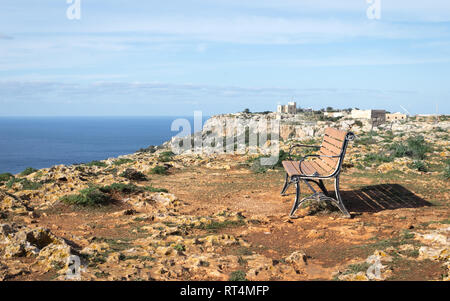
pixel 376 198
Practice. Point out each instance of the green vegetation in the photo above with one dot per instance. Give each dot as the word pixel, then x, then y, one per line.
pixel 38 174
pixel 356 268
pixel 447 169
pixel 129 188
pixel 377 158
pixel 445 221
pixel 154 189
pixel 410 253
pixel 415 147
pixel 367 140
pixel 5 177
pixel 238 276
pixel 91 196
pixel 96 163
pixel 406 237
pixel 358 123
pixel 388 137
pixel 115 244
pixel 101 274
pixel 97 195
pixel 134 175
pixel 419 165
pixel 166 156
pixel 120 188
pixel 158 170
pixel 26 184
pixel 122 161
pixel 179 248
pixel 27 171
pixel 135 257
pixel 151 149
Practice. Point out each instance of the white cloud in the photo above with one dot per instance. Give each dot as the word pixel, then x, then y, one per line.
pixel 12 91
pixel 252 29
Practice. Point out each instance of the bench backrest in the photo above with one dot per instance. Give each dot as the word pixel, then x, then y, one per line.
pixel 334 143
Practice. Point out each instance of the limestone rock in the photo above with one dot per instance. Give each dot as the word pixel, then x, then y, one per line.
pixel 27 242
pixel 55 256
pixel 297 258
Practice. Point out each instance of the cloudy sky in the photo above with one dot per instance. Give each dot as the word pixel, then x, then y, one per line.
pixel 130 57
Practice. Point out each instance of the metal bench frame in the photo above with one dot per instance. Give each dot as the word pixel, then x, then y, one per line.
pixel 318 179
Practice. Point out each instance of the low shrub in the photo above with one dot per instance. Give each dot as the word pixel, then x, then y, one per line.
pixel 91 196
pixel 27 171
pixel 151 149
pixel 179 248
pixel 158 170
pixel 134 175
pixel 414 147
pixel 154 189
pixel 399 150
pixel 419 165
pixel 5 177
pixel 358 123
pixel 98 195
pixel 377 158
pixel 447 169
pixel 356 268
pixel 365 141
pixel 25 183
pixel 96 163
pixel 238 276
pixel 122 161
pixel 214 226
pixel 120 188
pixel 166 156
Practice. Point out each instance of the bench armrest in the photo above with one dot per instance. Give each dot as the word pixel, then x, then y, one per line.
pixel 300 145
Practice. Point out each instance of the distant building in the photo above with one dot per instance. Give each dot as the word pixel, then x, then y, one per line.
pixel 290 108
pixel 427 117
pixel 396 116
pixel 375 115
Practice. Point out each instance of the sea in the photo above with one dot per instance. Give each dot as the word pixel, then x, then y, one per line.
pixel 41 142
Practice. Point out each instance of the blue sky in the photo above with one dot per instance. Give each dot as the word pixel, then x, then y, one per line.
pixel 172 57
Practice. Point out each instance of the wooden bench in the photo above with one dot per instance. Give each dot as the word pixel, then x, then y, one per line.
pixel 327 164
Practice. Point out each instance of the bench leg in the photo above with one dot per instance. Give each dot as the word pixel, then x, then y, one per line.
pixel 322 186
pixel 340 203
pixel 318 183
pixel 297 199
pixel 286 185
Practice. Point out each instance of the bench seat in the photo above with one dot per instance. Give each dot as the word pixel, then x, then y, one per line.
pixel 316 168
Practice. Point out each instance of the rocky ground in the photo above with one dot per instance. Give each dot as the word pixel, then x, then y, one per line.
pixel 160 216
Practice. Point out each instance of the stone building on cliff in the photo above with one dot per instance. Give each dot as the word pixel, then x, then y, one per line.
pixel 290 108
